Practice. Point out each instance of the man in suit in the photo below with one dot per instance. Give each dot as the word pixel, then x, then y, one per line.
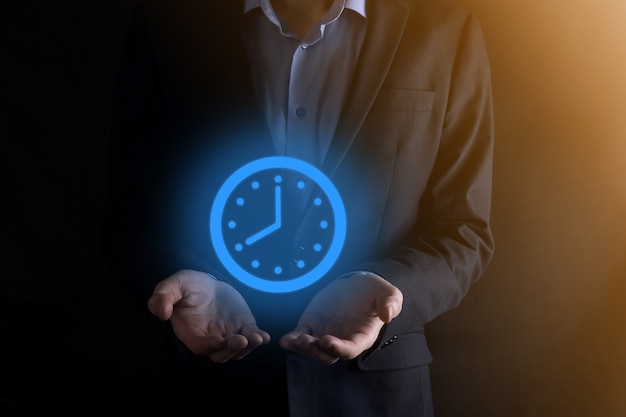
pixel 391 100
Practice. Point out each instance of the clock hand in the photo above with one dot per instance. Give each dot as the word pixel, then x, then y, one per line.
pixel 277 206
pixel 274 226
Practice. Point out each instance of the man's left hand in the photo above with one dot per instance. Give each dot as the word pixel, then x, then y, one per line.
pixel 345 318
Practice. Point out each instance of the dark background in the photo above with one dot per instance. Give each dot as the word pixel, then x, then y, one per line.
pixel 543 334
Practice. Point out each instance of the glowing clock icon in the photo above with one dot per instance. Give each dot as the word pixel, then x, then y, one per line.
pixel 278 224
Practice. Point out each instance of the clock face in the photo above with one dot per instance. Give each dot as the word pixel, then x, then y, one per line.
pixel 278 224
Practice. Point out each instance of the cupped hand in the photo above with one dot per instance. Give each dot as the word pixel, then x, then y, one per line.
pixel 345 318
pixel 210 317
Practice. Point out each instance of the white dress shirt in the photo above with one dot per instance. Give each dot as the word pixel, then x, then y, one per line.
pixel 302 83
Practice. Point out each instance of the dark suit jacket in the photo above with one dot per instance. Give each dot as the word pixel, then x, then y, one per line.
pixel 412 158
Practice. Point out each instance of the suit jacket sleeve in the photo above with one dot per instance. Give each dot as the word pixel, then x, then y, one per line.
pixel 451 244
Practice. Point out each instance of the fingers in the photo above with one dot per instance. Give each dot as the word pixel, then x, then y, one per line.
pixel 288 340
pixel 300 341
pixel 345 349
pixel 308 345
pixel 327 349
pixel 238 346
pixel 203 344
pixel 231 347
pixel 217 348
pixel 222 348
pixel 255 337
pixel 252 332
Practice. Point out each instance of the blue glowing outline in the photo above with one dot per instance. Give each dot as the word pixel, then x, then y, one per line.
pixel 217 211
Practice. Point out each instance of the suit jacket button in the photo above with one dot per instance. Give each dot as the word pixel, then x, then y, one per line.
pixel 388 342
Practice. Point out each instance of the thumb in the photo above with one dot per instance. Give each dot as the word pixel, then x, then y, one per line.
pixel 389 306
pixel 162 301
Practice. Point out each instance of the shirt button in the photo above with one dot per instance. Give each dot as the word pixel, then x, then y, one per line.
pixel 304 46
pixel 300 112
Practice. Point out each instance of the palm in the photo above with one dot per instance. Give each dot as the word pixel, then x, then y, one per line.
pixel 345 318
pixel 210 317
pixel 340 311
pixel 221 311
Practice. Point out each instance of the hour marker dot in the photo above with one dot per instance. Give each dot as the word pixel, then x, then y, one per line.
pixel 323 224
pixel 300 264
pixel 300 184
pixel 240 201
pixel 278 270
pixel 317 201
pixel 317 247
pixel 255 264
pixel 238 247
pixel 232 224
pixel 278 179
pixel 255 185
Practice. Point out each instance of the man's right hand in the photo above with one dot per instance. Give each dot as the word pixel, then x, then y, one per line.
pixel 210 317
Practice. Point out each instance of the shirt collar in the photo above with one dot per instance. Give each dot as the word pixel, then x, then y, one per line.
pixel 355 5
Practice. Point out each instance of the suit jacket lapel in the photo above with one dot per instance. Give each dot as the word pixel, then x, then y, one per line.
pixel 385 24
